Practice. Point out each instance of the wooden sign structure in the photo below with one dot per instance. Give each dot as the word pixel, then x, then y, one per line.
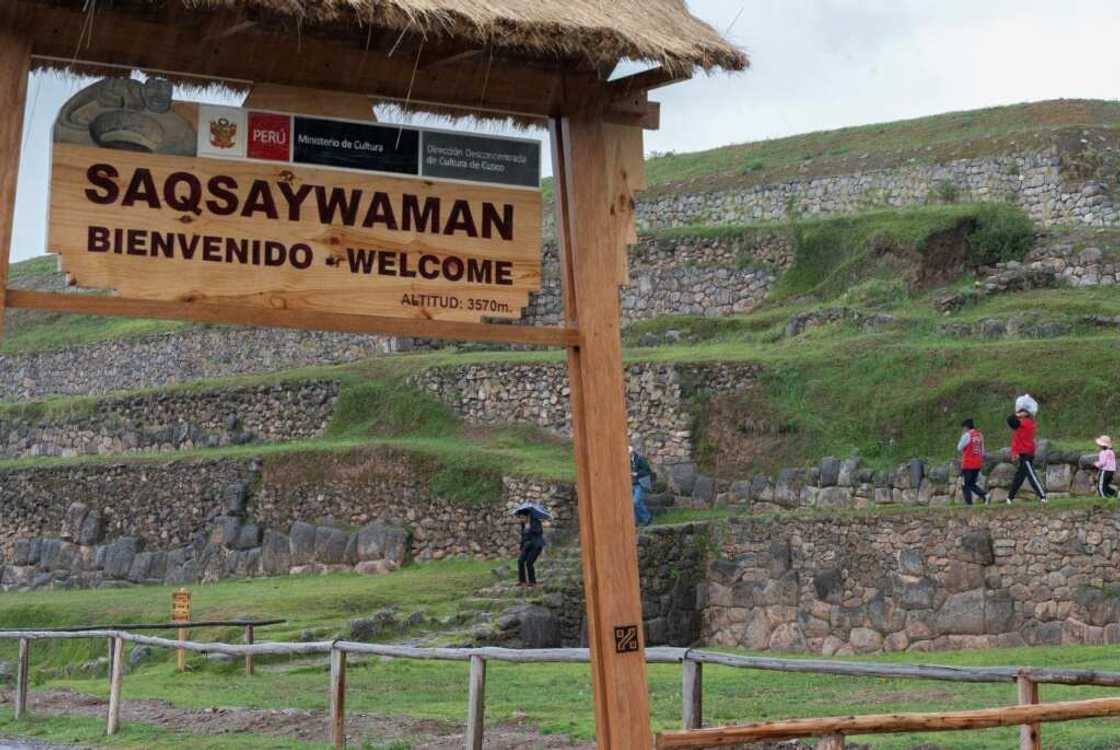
pixel 181 612
pixel 290 212
pixel 545 63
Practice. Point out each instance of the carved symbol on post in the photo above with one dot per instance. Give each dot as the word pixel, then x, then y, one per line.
pixel 625 639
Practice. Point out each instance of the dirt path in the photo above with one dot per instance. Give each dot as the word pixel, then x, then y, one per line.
pixel 294 723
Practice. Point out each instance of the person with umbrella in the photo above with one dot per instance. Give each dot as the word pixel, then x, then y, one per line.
pixel 530 516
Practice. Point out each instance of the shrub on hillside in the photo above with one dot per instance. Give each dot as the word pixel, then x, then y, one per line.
pixel 1003 232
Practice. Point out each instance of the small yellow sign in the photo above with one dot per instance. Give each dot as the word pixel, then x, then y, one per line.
pixel 181 606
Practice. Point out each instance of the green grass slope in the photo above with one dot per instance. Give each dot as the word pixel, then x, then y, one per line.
pixel 930 140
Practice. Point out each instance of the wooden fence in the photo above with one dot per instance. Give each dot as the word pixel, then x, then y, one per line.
pixel 1028 714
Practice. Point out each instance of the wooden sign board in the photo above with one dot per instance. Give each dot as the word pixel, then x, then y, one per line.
pixel 181 606
pixel 163 200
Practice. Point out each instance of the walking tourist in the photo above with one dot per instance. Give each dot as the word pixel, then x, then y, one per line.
pixel 641 478
pixel 971 448
pixel 530 515
pixel 1023 426
pixel 1106 465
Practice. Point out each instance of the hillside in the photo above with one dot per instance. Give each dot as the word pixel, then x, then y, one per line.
pixel 928 140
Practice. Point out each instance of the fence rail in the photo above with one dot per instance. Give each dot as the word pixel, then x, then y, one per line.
pixel 1028 714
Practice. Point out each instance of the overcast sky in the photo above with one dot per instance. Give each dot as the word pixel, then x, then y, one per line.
pixel 816 64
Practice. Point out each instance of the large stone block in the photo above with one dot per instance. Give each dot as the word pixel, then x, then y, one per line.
pixel 834 497
pixel 829 471
pixel 72 521
pixel 381 540
pixel 1059 477
pixel 330 545
pixel 962 614
pixel 119 556
pixel 302 543
pixel 976 546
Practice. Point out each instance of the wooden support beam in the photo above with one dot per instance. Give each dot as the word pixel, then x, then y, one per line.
pixel 1030 735
pixel 338 698
pixel 15 62
pixel 590 239
pixel 692 694
pixel 249 657
pixel 645 81
pixel 310 102
pixel 116 676
pixel 947 721
pixel 476 704
pixel 88 304
pixel 23 669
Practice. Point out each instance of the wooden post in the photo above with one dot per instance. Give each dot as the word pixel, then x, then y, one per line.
pixel 181 655
pixel 476 704
pixel 109 671
pixel 591 241
pixel 249 657
pixel 116 676
pixel 23 668
pixel 692 694
pixel 338 698
pixel 1030 735
pixel 15 66
pixel 831 742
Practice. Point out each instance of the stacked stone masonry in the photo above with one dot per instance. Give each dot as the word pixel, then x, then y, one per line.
pixel 189 521
pixel 846 483
pixel 170 421
pixel 656 395
pixel 1045 184
pixel 867 584
pixel 176 357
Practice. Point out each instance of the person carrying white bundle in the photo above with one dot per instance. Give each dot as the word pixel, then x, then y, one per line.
pixel 1023 428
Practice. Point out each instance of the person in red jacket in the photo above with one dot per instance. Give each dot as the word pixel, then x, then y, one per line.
pixel 971 447
pixel 1023 428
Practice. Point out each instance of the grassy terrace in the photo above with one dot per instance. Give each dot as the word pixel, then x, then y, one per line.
pixel 553 698
pixel 936 139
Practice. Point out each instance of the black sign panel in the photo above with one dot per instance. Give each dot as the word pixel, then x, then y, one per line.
pixel 479 158
pixel 625 639
pixel 355 145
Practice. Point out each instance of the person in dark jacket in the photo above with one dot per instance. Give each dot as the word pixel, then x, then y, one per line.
pixel 971 447
pixel 532 544
pixel 641 481
pixel 1023 429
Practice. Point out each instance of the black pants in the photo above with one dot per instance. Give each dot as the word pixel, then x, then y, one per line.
pixel 970 487
pixel 1104 485
pixel 1026 473
pixel 526 573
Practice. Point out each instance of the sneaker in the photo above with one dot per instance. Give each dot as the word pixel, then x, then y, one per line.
pixel 988 499
pixel 1009 500
pixel 1042 500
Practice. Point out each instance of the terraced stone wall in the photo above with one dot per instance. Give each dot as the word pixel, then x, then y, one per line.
pixel 840 585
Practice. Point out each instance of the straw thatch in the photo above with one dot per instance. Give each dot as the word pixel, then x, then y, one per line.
pixel 596 32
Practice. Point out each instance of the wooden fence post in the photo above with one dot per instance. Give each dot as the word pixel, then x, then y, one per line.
pixel 22 670
pixel 109 671
pixel 116 675
pixel 831 742
pixel 249 657
pixel 692 694
pixel 181 654
pixel 476 704
pixel 338 698
pixel 1029 734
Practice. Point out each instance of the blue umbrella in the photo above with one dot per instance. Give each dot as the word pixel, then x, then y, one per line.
pixel 536 511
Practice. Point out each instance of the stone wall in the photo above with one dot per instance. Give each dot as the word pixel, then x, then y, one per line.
pixel 656 395
pixel 712 276
pixel 1050 185
pixel 848 483
pixel 169 421
pixel 75 525
pixel 839 585
pixel 672 562
pixel 175 357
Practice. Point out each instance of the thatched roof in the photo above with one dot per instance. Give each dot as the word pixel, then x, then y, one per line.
pixel 596 32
